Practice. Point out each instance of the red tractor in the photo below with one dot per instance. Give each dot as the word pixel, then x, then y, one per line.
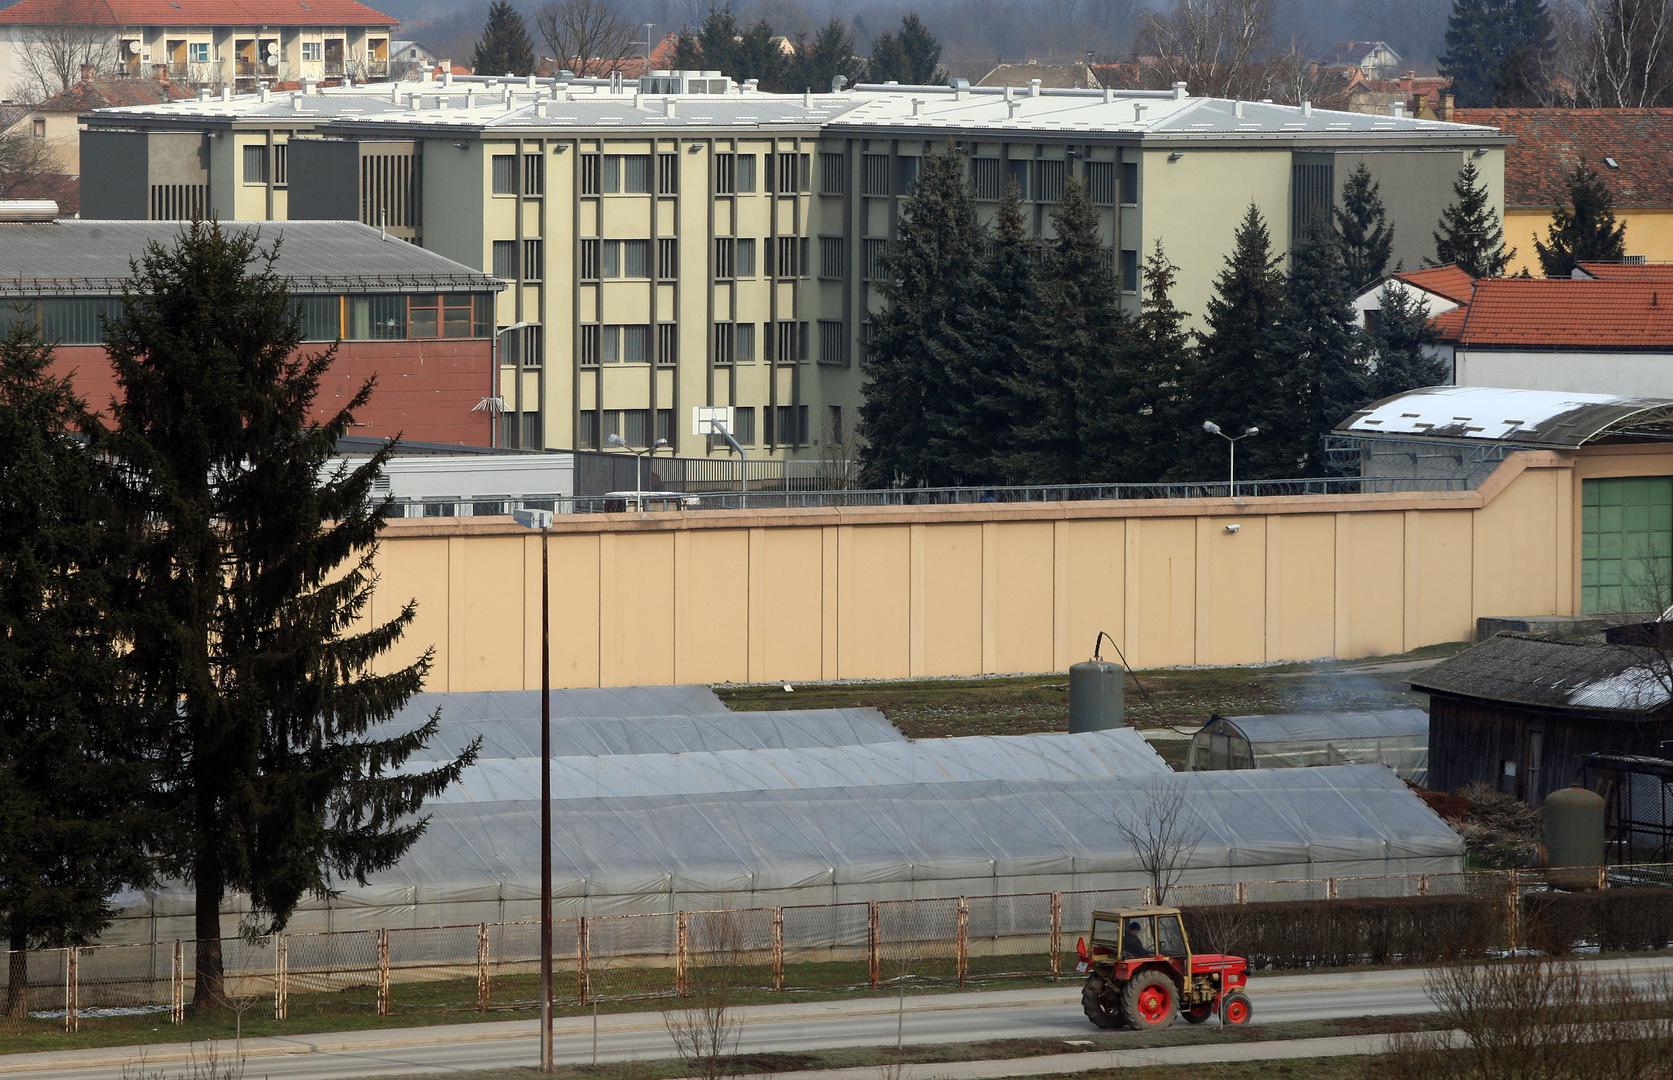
pixel 1140 971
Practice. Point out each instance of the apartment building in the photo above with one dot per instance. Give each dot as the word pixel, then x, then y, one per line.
pixel 680 250
pixel 237 43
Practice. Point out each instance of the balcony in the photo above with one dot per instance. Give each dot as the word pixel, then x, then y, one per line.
pixel 257 69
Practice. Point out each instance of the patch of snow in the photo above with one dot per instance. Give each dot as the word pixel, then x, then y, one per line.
pixel 105 1012
pixel 1473 412
pixel 1635 689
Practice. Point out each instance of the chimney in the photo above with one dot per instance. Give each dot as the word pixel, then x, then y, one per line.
pixel 88 71
pixel 1178 91
pixel 226 93
pixel 1398 110
pixel 1446 105
pixel 1033 87
pixel 1306 108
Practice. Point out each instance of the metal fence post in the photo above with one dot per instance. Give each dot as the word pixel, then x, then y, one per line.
pixel 1056 934
pixel 583 959
pixel 872 958
pixel 482 967
pixel 1513 912
pixel 682 943
pixel 177 987
pixel 72 989
pixel 383 971
pixel 1330 888
pixel 1603 877
pixel 281 978
pixel 778 948
pixel 961 939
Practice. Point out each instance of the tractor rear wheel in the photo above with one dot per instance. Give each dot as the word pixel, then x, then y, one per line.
pixel 1095 1003
pixel 1235 1008
pixel 1150 1000
pixel 1196 1014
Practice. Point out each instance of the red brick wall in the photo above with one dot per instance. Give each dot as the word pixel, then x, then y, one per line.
pixel 425 389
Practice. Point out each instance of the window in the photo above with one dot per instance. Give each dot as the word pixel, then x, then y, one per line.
pixel 726 249
pixel 612 422
pixel 984 178
pixel 505 259
pixel 876 174
pixel 667 259
pixel 1100 182
pixel 627 258
pixel 586 431
pixel 589 174
pixel 787 424
pixel 667 174
pixel 321 317
pixel 534 174
pixel 743 424
pixel 380 318
pixel 906 174
pixel 726 342
pixel 745 256
pixel 627 174
pixel 667 344
pixel 436 315
pixel 726 174
pixel 534 260
pixel 744 353
pixel 1017 173
pixel 833 343
pixel 255 164
pixel 1050 175
pixel 833 174
pixel 531 439
pixel 1129 268
pixel 281 165
pixel 875 269
pixel 38 127
pixel 634 427
pixel 791 257
pixel 505 174
pixel 833 257
pixel 198 52
pixel 665 424
pixel 1312 187
pixel 589 347
pixel 626 344
pixel 833 425
pixel 589 260
pixel 1130 183
pixel 789 342
pixel 525 347
pixel 787 174
pixel 746 174
pixel 312 52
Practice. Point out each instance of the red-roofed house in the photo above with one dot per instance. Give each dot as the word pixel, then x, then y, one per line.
pixel 1628 148
pixel 1445 293
pixel 215 42
pixel 1621 271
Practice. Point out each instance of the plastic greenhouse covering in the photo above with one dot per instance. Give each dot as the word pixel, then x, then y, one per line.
pixel 618 701
pixel 1397 738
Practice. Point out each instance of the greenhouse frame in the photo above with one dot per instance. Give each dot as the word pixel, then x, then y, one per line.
pixel 1397 738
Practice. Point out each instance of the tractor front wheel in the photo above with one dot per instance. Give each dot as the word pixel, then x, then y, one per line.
pixel 1150 1000
pixel 1094 1002
pixel 1235 1008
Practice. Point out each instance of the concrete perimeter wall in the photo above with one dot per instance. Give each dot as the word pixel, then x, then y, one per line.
pixel 967 590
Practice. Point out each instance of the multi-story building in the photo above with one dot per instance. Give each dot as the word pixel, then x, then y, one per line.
pixel 239 43
pixel 680 244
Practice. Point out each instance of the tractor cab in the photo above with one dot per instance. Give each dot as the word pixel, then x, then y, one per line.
pixel 1140 971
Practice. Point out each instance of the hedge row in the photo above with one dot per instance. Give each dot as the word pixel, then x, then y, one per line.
pixel 1615 920
pixel 1351 933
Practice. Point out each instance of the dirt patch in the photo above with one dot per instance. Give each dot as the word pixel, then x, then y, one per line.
pixel 774 1063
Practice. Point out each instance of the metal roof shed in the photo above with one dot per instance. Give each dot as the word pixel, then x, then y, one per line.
pixel 1397 738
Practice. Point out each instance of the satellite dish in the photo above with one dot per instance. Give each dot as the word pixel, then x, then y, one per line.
pixel 133 48
pixel 273 50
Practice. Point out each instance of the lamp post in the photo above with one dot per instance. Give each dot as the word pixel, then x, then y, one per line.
pixel 1231 440
pixel 493 404
pixel 639 468
pixel 542 520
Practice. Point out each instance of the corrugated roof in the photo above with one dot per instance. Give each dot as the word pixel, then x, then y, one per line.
pixel 1570 313
pixel 199 13
pixel 1551 142
pixel 1535 418
pixel 87 257
pixel 1588 676
pixel 1451 281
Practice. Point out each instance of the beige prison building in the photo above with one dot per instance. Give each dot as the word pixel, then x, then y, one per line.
pixel 681 249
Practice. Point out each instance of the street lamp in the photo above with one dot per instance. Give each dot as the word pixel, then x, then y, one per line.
pixel 542 520
pixel 1232 440
pixel 493 404
pixel 639 468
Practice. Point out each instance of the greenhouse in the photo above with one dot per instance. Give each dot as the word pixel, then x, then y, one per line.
pixel 1397 738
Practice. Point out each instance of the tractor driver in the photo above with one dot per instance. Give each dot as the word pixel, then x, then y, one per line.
pixel 1133 943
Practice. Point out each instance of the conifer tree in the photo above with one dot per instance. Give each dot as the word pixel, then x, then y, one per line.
pixel 1323 350
pixel 1238 380
pixel 504 48
pixel 1006 334
pixel 1498 52
pixel 1469 233
pixel 925 332
pixel 1399 337
pixel 1068 394
pixel 71 791
pixel 1367 239
pixel 910 55
pixel 1159 367
pixel 244 612
pixel 1583 231
pixel 829 54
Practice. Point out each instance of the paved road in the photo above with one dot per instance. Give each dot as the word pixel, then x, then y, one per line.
pixel 1040 1013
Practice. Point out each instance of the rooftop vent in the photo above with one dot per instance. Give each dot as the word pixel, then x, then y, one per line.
pixel 28 210
pixel 1179 91
pixel 1398 110
pixel 1033 87
pixel 1306 108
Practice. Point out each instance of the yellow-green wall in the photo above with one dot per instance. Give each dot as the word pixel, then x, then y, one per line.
pixel 1649 233
pixel 965 590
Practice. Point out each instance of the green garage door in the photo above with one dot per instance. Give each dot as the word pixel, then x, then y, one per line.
pixel 1626 544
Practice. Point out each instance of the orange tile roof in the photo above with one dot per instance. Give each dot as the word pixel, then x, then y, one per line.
pixel 1629 271
pixel 1565 313
pixel 1452 282
pixel 1551 142
pixel 1449 325
pixel 105 93
pixel 200 13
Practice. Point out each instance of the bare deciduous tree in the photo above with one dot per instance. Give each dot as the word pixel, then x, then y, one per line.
pixel 704 1025
pixel 51 55
pixel 1619 52
pixel 23 160
pixel 589 37
pixel 1164 835
pixel 1217 47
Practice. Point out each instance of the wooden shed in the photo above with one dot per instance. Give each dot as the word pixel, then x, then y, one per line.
pixel 1522 712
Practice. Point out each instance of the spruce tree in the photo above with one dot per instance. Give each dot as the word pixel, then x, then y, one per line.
pixel 1238 380
pixel 1366 237
pixel 925 332
pixel 910 55
pixel 1006 335
pixel 1583 231
pixel 245 613
pixel 1400 335
pixel 1071 393
pixel 1158 369
pixel 72 791
pixel 1469 233
pixel 828 55
pixel 1323 350
pixel 1498 52
pixel 1529 44
pixel 504 48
